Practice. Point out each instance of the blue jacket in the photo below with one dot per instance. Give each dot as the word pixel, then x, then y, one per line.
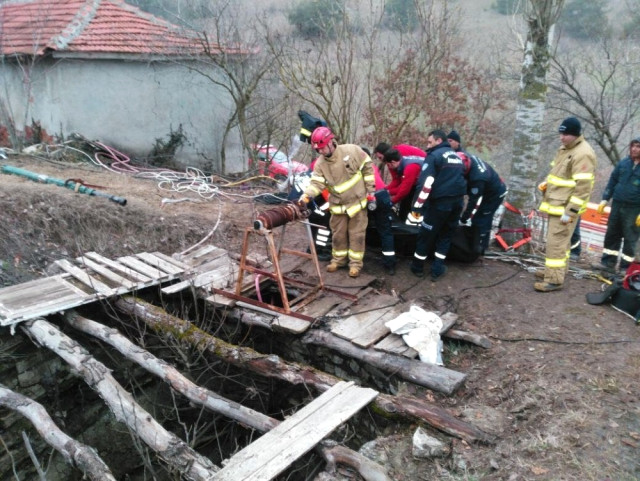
pixel 624 183
pixel 441 178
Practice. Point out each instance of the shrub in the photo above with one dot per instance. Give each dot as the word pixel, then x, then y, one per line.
pixel 316 18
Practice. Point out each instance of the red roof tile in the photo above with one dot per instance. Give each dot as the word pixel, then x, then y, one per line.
pixel 88 26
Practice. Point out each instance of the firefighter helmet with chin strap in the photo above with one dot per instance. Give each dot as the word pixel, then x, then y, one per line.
pixel 321 137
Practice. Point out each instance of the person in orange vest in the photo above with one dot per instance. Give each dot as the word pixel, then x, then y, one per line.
pixel 347 172
pixel 566 192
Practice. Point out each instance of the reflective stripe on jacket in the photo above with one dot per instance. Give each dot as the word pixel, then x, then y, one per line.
pixel 348 175
pixel 570 181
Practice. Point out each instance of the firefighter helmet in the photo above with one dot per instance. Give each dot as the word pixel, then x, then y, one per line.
pixel 321 137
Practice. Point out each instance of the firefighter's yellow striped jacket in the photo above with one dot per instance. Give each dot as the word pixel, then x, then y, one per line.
pixel 570 181
pixel 348 175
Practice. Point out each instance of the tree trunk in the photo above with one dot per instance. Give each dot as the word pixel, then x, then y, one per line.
pixel 169 447
pixel 74 452
pixel 172 376
pixel 272 366
pixel 525 166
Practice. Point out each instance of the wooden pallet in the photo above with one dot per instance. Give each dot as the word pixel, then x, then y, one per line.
pixel 89 278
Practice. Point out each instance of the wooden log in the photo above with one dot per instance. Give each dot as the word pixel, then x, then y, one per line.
pixel 273 366
pixel 171 375
pixel 169 447
pixel 74 452
pixel 368 469
pixel 473 338
pixel 428 375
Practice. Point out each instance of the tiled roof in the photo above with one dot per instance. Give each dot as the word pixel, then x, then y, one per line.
pixel 89 27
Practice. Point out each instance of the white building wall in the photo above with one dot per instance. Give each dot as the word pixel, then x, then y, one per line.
pixel 127 105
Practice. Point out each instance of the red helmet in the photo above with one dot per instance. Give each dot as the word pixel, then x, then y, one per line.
pixel 321 137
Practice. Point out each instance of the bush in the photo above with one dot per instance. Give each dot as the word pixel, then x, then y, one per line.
pixel 508 7
pixel 401 15
pixel 584 20
pixel 317 18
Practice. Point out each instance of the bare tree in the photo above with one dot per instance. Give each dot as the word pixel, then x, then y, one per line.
pixel 541 16
pixel 232 42
pixel 601 87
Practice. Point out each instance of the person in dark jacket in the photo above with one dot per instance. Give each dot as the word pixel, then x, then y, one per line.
pixel 437 204
pixel 623 189
pixel 485 190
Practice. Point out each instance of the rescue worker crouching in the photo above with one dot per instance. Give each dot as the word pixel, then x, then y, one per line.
pixel 347 172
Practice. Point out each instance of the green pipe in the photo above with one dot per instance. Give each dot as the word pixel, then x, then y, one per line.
pixel 69 184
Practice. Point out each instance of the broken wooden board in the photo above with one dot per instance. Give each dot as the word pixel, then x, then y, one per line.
pixel 367 324
pixel 276 450
pixel 41 297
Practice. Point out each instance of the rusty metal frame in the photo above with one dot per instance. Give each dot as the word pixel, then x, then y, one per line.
pixel 277 275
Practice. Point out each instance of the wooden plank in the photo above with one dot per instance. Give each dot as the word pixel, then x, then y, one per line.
pixel 272 453
pixel 53 294
pixel 366 317
pixel 106 272
pixel 219 278
pixel 394 344
pixel 376 329
pixel 159 264
pixel 219 300
pixel 321 305
pixel 140 266
pixel 16 297
pixel 127 271
pixel 170 259
pixel 290 324
pixel 85 278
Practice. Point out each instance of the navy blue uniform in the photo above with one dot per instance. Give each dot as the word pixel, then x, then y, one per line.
pixel 439 199
pixel 623 189
pixel 486 191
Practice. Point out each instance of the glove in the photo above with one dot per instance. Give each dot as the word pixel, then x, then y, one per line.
pixel 371 202
pixel 464 223
pixel 601 207
pixel 396 209
pixel 304 199
pixel 638 221
pixel 565 219
pixel 414 219
pixel 542 186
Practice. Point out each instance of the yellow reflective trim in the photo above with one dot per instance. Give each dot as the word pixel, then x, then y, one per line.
pixel 354 209
pixel 586 176
pixel 369 178
pixel 339 253
pixel 551 209
pixel 577 201
pixel 560 182
pixel 306 132
pixel 356 256
pixel 555 263
pixel 355 178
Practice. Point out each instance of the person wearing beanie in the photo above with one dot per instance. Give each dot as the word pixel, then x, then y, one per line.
pixel 566 192
pixel 623 189
pixel 454 140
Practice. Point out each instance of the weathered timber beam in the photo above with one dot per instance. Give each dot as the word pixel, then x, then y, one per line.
pixel 169 447
pixel 171 375
pixel 434 377
pixel 269 365
pixel 74 452
pixel 473 338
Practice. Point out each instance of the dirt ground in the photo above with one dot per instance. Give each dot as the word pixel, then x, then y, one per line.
pixel 558 388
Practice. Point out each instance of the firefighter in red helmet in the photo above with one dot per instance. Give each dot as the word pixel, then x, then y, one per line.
pixel 347 172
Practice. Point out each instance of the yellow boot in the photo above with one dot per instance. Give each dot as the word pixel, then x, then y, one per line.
pixel 354 272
